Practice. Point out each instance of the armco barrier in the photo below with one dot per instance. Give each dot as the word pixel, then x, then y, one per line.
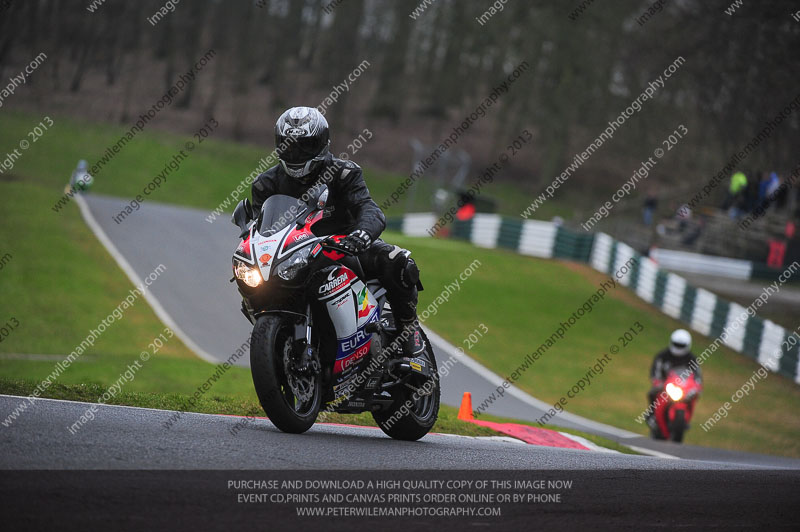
pixel 699 309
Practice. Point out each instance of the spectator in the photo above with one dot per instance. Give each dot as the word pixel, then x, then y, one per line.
pixel 781 198
pixel 767 189
pixel 750 199
pixel 650 206
pixel 763 185
pixel 736 190
pixel 683 215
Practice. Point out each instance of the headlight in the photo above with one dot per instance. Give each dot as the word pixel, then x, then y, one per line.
pixel 249 274
pixel 288 270
pixel 675 393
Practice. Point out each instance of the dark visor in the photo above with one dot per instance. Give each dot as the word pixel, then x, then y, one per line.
pixel 294 150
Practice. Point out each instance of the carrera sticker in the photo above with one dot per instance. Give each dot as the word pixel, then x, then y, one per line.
pixel 337 280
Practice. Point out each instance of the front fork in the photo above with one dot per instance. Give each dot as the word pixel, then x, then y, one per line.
pixel 307 356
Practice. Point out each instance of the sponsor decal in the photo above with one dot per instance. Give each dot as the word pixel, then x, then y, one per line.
pixel 265 258
pixel 418 361
pixel 364 306
pixel 344 363
pixel 337 280
pixel 356 340
pixel 341 301
pixel 295 237
pixel 347 345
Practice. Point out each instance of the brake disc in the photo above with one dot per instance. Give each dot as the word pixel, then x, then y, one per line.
pixel 302 386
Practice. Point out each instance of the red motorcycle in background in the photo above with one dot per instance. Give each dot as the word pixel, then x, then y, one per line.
pixel 675 405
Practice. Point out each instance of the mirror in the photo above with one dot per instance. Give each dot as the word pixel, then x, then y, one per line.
pixel 322 199
pixel 242 215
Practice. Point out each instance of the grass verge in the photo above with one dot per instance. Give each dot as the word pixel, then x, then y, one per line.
pixel 522 301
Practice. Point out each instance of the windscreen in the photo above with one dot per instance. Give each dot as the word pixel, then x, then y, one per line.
pixel 279 211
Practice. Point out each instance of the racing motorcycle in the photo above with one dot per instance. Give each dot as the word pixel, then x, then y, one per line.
pixel 324 338
pixel 675 405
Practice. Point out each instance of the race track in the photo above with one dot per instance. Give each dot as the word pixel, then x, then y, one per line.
pixel 137 438
pixel 126 467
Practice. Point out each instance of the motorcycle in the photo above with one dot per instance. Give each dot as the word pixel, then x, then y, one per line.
pixel 324 338
pixel 675 405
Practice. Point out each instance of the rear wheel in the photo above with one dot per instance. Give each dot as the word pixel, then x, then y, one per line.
pixel 678 426
pixel 415 406
pixel 290 397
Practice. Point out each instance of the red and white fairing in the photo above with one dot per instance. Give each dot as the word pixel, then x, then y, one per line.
pixel 266 250
pixel 351 306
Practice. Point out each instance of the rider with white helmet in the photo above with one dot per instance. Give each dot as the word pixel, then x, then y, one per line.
pixel 677 355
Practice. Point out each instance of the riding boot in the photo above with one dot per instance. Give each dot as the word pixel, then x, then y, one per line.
pixel 404 309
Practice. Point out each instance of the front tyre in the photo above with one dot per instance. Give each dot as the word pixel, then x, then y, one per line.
pixel 412 415
pixel 678 426
pixel 290 399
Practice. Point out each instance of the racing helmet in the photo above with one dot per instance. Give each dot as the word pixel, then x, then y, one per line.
pixel 301 141
pixel 680 342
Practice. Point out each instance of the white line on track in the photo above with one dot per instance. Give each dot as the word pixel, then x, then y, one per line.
pixel 162 314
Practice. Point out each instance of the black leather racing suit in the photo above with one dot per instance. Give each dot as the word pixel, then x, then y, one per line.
pixel 351 207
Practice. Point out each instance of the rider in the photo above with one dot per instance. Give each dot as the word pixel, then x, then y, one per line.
pixel 302 144
pixel 677 355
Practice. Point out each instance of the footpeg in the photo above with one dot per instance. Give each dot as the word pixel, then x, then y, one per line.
pixel 373 327
pixel 413 365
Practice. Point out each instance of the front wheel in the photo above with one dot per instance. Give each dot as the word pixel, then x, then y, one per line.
pixel 415 407
pixel 678 426
pixel 290 397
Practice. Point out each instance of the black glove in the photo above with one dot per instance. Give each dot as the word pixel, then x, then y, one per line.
pixel 356 242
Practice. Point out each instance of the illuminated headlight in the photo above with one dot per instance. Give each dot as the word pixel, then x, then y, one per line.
pixel 675 393
pixel 248 274
pixel 288 270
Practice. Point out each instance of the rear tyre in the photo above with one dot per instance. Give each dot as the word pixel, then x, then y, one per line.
pixel 678 426
pixel 421 412
pixel 291 409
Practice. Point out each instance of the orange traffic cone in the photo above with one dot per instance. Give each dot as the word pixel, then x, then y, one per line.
pixel 465 412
